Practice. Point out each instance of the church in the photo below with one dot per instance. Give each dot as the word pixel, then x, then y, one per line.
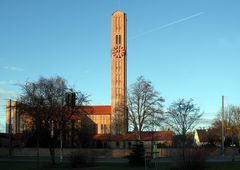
pixel 110 122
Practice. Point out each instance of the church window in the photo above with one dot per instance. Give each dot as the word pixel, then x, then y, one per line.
pixel 105 129
pixel 102 130
pixel 116 39
pixel 119 39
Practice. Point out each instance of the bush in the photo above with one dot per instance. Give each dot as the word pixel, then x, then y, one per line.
pixel 78 159
pixel 137 155
pixel 190 159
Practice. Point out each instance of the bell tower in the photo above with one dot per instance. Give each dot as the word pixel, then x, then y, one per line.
pixel 119 76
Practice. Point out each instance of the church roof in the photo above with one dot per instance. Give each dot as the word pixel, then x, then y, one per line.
pixel 96 109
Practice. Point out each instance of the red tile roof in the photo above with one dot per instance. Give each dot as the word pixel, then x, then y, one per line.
pixel 102 110
pixel 131 136
pixel 91 110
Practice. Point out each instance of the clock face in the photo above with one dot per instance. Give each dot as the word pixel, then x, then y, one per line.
pixel 118 51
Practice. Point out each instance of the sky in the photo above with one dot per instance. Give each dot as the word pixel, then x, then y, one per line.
pixel 187 49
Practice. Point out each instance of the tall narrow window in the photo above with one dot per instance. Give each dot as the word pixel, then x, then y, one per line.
pixel 119 39
pixel 105 129
pixel 116 39
pixel 102 130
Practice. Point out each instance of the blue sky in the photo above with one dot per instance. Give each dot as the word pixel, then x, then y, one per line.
pixel 188 49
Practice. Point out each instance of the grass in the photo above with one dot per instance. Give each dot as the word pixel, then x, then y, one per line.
pixel 223 165
pixel 24 165
pixel 12 165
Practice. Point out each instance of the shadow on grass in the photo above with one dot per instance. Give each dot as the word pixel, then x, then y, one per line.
pixel 18 165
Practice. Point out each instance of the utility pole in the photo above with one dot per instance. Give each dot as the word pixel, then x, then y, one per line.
pixel 61 139
pixel 223 137
pixel 10 128
pixel 233 158
pixel 38 136
pixel 61 133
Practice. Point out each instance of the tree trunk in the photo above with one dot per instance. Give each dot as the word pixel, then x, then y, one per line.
pixel 52 150
pixel 184 147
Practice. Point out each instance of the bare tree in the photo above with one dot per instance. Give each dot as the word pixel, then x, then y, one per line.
pixel 231 127
pixel 232 115
pixel 43 101
pixel 214 133
pixel 232 123
pixel 145 107
pixel 182 116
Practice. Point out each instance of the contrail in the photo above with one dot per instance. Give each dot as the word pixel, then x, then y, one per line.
pixel 167 25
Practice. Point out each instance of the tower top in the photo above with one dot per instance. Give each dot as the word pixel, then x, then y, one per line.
pixel 118 12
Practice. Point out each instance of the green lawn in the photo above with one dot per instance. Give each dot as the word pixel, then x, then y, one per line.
pixel 17 165
pixel 12 165
pixel 223 165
